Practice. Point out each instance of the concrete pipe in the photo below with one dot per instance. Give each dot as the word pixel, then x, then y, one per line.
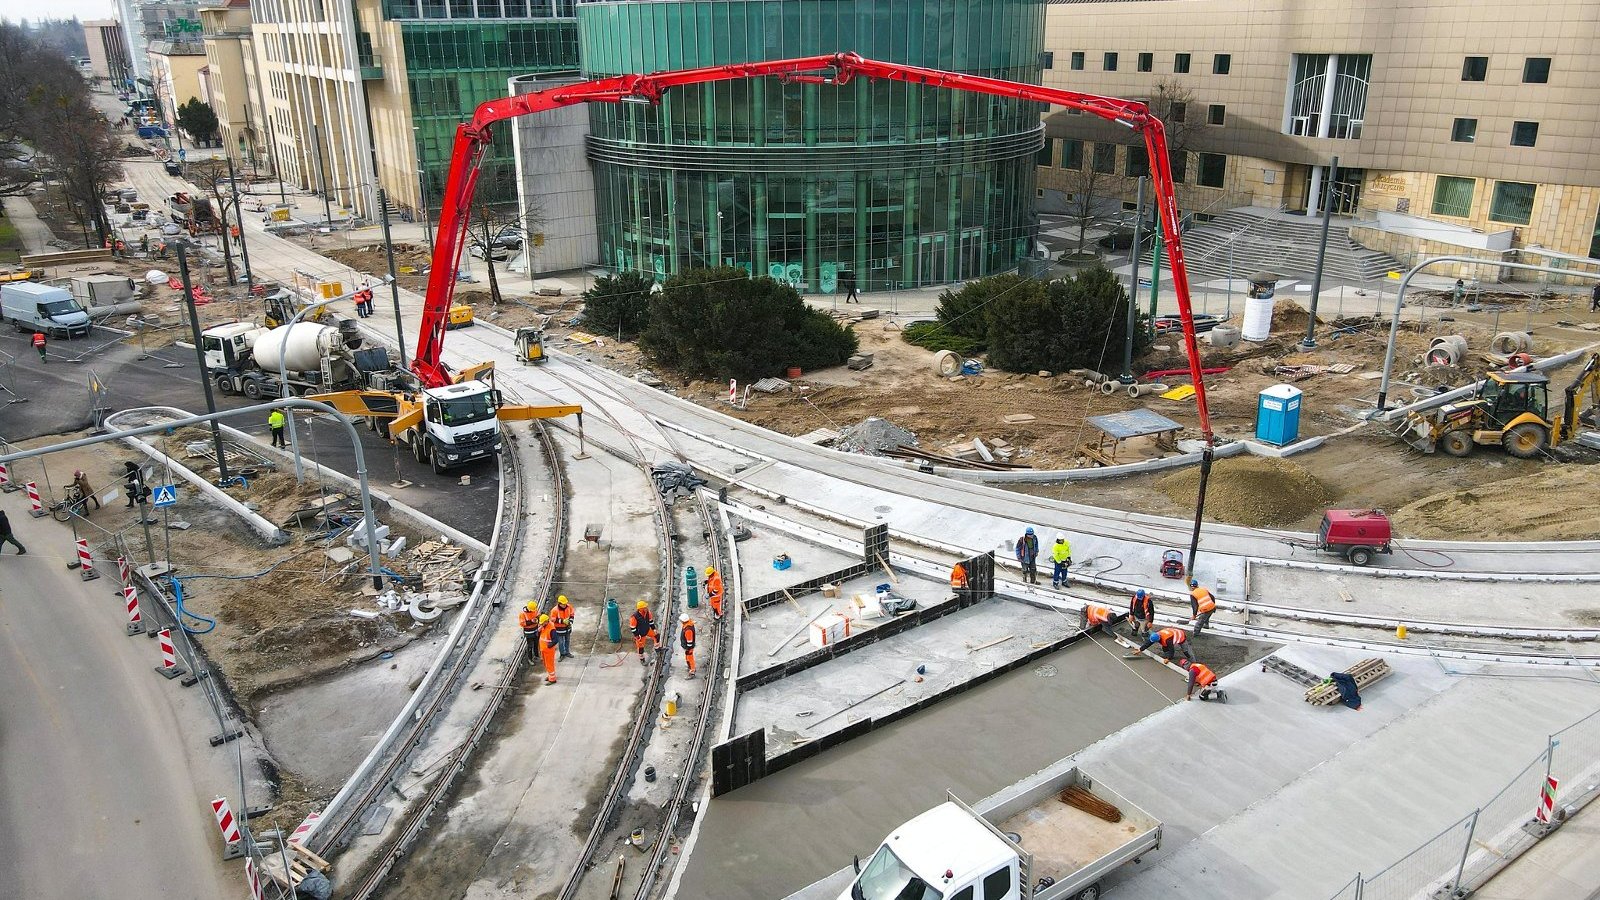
pixel 1448 350
pixel 1109 387
pixel 1142 390
pixel 1508 342
pixel 1090 376
pixel 1224 337
pixel 947 363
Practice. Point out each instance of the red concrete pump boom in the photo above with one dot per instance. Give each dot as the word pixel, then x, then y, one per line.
pixel 473 137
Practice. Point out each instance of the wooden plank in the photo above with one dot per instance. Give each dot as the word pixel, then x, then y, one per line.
pixel 886 570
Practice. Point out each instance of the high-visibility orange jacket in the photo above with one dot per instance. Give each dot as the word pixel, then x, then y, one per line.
pixel 1202 601
pixel 642 623
pixel 1201 674
pixel 1096 614
pixel 958 576
pixel 1172 636
pixel 686 636
pixel 714 585
pixel 529 620
pixel 561 617
pixel 547 637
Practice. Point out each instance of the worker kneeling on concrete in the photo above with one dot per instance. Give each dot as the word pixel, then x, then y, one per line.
pixel 1174 644
pixel 529 622
pixel 1142 614
pixel 714 591
pixel 686 640
pixel 643 626
pixel 547 648
pixel 562 616
pixel 1202 678
pixel 1202 604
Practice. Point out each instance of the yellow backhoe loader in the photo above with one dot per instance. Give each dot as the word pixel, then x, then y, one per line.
pixel 1510 410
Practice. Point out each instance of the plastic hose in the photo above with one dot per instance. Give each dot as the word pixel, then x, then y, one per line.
pixel 177 593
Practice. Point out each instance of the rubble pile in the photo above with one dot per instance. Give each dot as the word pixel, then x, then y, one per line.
pixel 874 436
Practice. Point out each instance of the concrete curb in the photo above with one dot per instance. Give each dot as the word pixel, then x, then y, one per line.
pixel 268 531
pixel 1036 476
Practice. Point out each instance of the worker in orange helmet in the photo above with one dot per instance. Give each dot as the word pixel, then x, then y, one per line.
pixel 714 591
pixel 547 648
pixel 1201 676
pixel 1202 604
pixel 1174 643
pixel 562 615
pixel 686 640
pixel 528 621
pixel 643 626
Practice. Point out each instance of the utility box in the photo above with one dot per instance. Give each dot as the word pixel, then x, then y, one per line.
pixel 1278 415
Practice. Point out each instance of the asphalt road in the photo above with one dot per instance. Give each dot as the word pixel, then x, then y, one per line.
pixel 107 776
pixel 58 400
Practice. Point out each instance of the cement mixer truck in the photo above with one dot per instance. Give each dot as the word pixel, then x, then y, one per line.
pixel 245 358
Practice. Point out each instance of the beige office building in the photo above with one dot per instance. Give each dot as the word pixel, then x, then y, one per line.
pixel 1458 127
pixel 175 74
pixel 231 87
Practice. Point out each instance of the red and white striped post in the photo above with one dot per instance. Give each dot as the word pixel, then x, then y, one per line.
pixel 135 621
pixel 233 841
pixel 85 561
pixel 252 877
pixel 304 828
pixel 6 484
pixel 33 497
pixel 1547 800
pixel 124 573
pixel 169 657
pixel 733 390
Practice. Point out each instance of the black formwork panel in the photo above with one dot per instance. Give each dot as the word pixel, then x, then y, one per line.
pixel 738 761
pixel 875 546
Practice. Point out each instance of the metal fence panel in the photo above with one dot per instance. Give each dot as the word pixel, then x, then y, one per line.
pixel 1424 869
pixel 1351 891
pixel 1576 760
pixel 1500 831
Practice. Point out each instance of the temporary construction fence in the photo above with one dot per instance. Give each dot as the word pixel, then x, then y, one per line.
pixel 1468 852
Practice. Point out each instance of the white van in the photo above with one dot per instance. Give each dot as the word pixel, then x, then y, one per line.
pixel 38 307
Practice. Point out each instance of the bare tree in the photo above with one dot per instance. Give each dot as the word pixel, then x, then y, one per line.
pixel 18 54
pixel 1085 187
pixel 212 174
pixel 61 122
pixel 502 229
pixel 1173 103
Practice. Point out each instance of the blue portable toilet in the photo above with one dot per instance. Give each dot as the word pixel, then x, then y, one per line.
pixel 1278 414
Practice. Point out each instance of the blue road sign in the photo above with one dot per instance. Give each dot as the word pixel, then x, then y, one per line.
pixel 164 495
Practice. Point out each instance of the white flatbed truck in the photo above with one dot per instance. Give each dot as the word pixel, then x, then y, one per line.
pixel 1022 843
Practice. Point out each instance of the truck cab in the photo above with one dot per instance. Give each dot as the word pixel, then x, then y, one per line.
pixel 942 854
pixel 461 424
pixel 228 346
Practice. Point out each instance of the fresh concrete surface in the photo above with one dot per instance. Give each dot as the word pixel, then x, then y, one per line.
pixel 1563 866
pixel 1266 796
pixel 826 698
pixel 804 822
pixel 108 775
pixel 765 627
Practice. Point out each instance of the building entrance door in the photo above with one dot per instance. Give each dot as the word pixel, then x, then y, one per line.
pixel 931 263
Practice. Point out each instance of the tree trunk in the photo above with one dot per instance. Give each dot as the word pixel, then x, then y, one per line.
pixel 494 284
pixel 227 254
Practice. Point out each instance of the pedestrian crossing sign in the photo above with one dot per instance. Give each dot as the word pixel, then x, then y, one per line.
pixel 164 495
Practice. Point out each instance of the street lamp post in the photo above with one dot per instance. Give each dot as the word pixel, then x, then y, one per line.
pixel 238 218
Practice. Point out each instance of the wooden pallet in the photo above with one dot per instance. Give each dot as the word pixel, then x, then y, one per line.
pixel 1366 673
pixel 301 863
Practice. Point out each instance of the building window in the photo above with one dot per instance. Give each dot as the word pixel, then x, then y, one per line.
pixel 1047 59
pixel 1077 60
pixel 1178 111
pixel 1512 202
pixel 1453 196
pixel 1047 153
pixel 1105 158
pixel 1475 68
pixel 1309 74
pixel 1180 63
pixel 1216 114
pixel 1147 62
pixel 1524 134
pixel 1213 170
pixel 1137 164
pixel 1221 63
pixel 1071 154
pixel 1536 70
pixel 1110 62
pixel 1180 166
pixel 1464 131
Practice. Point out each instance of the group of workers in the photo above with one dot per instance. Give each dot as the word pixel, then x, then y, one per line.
pixel 550 633
pixel 1176 643
pixel 1028 558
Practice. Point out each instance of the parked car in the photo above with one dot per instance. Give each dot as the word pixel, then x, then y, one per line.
pixel 173 168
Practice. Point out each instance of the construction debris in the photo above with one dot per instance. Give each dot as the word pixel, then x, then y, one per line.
pixel 1079 798
pixel 674 476
pixel 875 436
pixel 770 386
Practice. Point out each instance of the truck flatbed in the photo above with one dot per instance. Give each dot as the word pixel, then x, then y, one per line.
pixel 1064 839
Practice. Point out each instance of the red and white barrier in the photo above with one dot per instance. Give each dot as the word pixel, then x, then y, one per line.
pixel 229 828
pixel 169 657
pixel 124 574
pixel 304 828
pixel 733 390
pixel 33 497
pixel 85 561
pixel 135 621
pixel 5 479
pixel 252 877
pixel 1547 800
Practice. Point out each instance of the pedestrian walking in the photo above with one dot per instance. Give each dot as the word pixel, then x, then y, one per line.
pixel 1061 555
pixel 1028 556
pixel 6 537
pixel 38 344
pixel 562 615
pixel 1201 604
pixel 1201 676
pixel 686 640
pixel 1594 298
pixel 714 591
pixel 643 626
pixel 81 481
pixel 1141 614
pixel 275 421
pixel 547 648
pixel 847 279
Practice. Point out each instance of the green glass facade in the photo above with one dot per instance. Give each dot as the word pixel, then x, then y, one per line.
pixel 453 63
pixel 899 184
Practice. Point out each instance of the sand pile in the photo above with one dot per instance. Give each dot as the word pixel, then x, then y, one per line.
pixel 1556 504
pixel 1251 490
pixel 874 435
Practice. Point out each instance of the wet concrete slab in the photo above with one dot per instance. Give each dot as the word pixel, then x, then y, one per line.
pixel 803 823
pixel 807 560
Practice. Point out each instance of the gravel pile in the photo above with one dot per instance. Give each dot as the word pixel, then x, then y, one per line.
pixel 1251 490
pixel 874 436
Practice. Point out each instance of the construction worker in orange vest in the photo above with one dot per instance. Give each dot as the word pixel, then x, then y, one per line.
pixel 643 626
pixel 1202 604
pixel 714 591
pixel 1095 614
pixel 561 615
pixel 958 578
pixel 1142 613
pixel 547 648
pixel 1201 676
pixel 38 344
pixel 686 640
pixel 528 620
pixel 1174 642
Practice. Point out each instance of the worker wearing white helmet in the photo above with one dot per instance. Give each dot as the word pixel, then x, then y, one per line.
pixel 686 641
pixel 1061 555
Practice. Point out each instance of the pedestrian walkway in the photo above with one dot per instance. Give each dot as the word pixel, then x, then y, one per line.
pixel 35 234
pixel 1563 866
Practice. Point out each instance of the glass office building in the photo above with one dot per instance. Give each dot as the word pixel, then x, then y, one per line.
pixel 897 184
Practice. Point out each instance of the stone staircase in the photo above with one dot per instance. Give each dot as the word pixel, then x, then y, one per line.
pixel 1273 241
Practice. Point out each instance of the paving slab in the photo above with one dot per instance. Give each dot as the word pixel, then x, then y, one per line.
pixel 1463 602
